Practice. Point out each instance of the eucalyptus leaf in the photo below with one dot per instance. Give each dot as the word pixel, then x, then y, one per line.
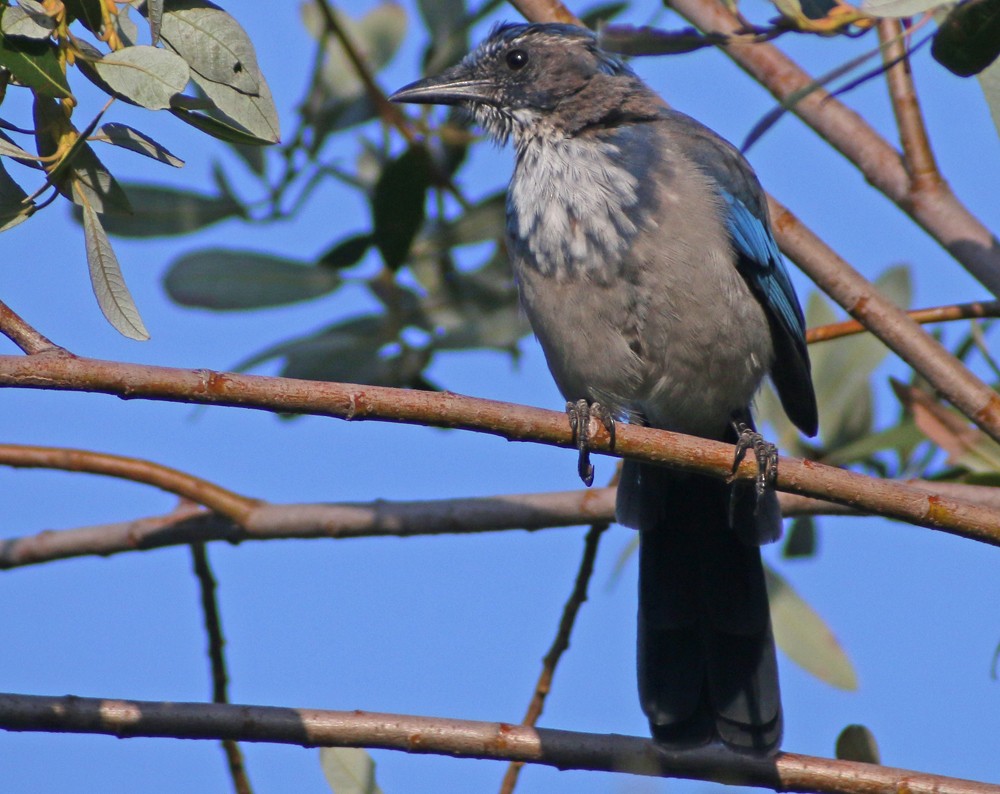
pixel 87 11
pixel 349 770
pixel 35 64
pixel 126 29
pixel 989 83
pixel 17 21
pixel 801 539
pixel 147 76
pixel 223 130
pixel 160 211
pixel 220 278
pixel 106 277
pixel 968 39
pixel 802 634
pixel 254 113
pixel 857 743
pixel 898 8
pixel 129 138
pixel 398 204
pixel 10 149
pixel 346 253
pixel 13 209
pixel 213 43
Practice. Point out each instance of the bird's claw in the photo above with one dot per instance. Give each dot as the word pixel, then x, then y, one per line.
pixel 765 452
pixel 580 414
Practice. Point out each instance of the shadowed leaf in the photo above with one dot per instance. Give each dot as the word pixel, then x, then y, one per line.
pixel 968 40
pixel 13 210
pixel 398 204
pixel 18 21
pixel 160 211
pixel 128 138
pixel 801 540
pixel 35 64
pixel 147 76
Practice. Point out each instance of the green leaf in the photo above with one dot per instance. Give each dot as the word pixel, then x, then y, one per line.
pixel 10 149
pixel 147 76
pixel 802 634
pixel 217 128
pixel 349 770
pixel 106 277
pixel 801 540
pixel 968 40
pixel 87 173
pixel 35 64
pixel 398 204
pixel 213 44
pixel 13 209
pixel 218 278
pixel 347 252
pixel 256 114
pixel 159 211
pixel 857 743
pixel 377 36
pixel 129 138
pixel 87 11
pixel 32 24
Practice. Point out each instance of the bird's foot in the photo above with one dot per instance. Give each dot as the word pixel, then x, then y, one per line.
pixel 580 413
pixel 765 452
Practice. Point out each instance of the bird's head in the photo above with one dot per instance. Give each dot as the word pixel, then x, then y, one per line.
pixel 525 77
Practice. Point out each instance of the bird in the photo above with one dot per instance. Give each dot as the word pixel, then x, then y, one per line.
pixel 646 264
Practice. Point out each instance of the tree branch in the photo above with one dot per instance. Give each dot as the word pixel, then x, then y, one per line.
pixel 559 645
pixel 937 314
pixel 464 739
pixel 23 335
pixel 205 493
pixel 217 659
pixel 932 206
pixel 515 423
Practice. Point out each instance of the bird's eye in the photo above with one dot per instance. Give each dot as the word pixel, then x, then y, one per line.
pixel 517 59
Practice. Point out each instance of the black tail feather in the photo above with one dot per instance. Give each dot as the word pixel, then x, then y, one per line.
pixel 706 663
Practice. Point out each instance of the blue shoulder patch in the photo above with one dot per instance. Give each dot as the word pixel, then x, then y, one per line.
pixel 762 266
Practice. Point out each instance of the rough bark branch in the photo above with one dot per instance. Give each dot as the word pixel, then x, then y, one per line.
pixel 464 739
pixel 513 422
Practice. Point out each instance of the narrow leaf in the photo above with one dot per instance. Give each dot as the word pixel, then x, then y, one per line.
pixel 989 82
pixel 802 634
pixel 106 277
pixel 398 204
pixel 148 76
pixel 35 64
pixel 223 130
pixel 254 113
pixel 159 211
pixel 13 209
pixel 219 278
pixel 897 8
pixel 346 253
pixel 129 138
pixel 10 149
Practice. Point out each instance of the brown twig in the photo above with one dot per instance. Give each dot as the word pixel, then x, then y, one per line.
pixel 513 422
pixel 23 335
pixel 559 645
pixel 386 110
pixel 901 334
pixel 546 11
pixel 938 314
pixel 217 658
pixel 201 491
pixel 189 524
pixel 934 208
pixel 465 739
pixel 918 158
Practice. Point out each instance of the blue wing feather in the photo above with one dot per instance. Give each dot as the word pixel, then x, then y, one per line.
pixel 763 267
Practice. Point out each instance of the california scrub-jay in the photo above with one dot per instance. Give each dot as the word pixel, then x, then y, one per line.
pixel 642 249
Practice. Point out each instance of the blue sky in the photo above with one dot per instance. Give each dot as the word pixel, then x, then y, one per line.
pixel 446 626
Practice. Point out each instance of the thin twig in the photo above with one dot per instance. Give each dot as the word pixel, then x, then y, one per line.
pixel 465 739
pixel 938 211
pixel 22 334
pixel 938 314
pixel 217 657
pixel 513 422
pixel 559 645
pixel 389 112
pixel 185 485
pixel 918 158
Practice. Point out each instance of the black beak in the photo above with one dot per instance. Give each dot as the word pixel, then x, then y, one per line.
pixel 453 86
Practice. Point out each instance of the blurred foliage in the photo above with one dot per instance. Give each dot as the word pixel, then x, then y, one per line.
pixel 432 259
